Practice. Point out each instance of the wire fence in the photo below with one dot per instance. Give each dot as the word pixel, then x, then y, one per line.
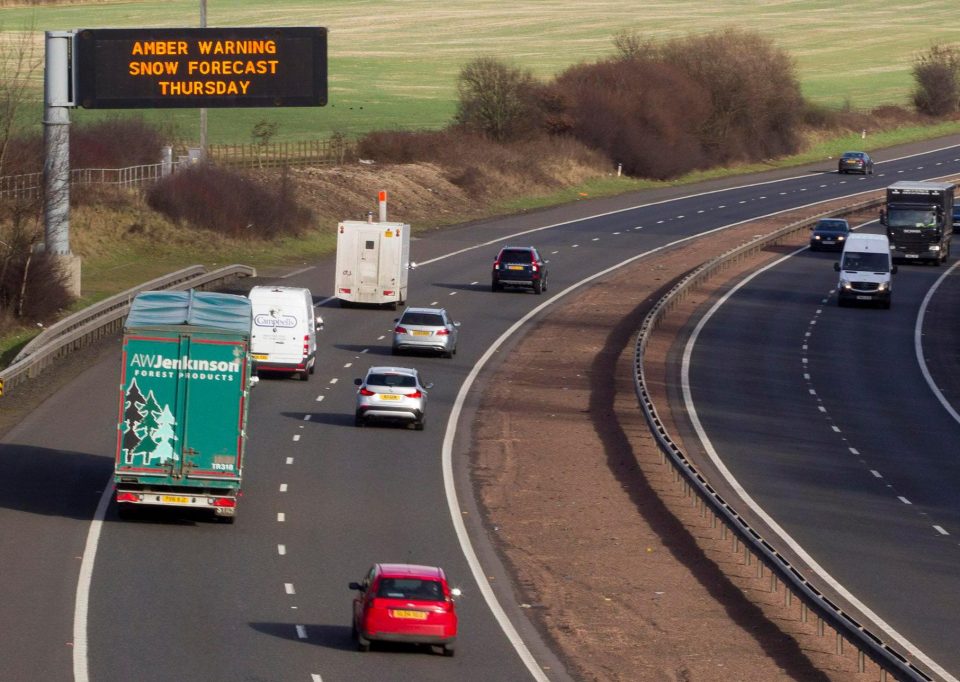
pixel 324 152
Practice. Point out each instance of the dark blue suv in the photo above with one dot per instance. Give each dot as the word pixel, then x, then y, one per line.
pixel 519 266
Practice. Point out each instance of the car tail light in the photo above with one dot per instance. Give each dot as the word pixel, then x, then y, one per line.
pixel 127 497
pixel 415 394
pixel 442 332
pixel 224 502
pixel 533 266
pixel 496 264
pixel 306 345
pixel 365 391
pixel 400 330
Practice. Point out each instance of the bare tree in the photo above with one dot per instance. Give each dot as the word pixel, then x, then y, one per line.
pixel 20 67
pixel 937 73
pixel 497 99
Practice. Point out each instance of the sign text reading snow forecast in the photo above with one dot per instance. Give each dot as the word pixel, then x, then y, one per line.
pixel 201 67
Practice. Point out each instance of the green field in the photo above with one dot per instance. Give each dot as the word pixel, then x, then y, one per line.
pixel 394 64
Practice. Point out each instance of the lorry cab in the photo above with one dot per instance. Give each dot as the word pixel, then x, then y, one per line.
pixel 284 331
pixel 865 269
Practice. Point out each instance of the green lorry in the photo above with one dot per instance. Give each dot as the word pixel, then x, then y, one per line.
pixel 183 402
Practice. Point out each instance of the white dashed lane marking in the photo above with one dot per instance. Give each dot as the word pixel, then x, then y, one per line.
pixel 281 550
pixel 876 474
pixel 283 487
pixel 281 517
pixel 288 588
pixel 319 398
pixel 289 460
pixel 903 499
pixel 940 530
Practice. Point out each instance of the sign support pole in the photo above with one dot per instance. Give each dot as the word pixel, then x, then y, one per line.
pixel 56 164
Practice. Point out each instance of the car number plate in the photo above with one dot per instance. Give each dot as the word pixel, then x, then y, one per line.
pixel 389 396
pixel 514 267
pixel 829 241
pixel 911 255
pixel 175 499
pixel 864 298
pixel 410 615
pixel 260 356
pixel 420 332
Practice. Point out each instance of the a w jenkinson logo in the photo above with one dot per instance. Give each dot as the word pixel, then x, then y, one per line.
pixel 275 319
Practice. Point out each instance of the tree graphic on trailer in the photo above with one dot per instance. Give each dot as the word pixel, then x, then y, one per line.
pixel 132 416
pixel 151 428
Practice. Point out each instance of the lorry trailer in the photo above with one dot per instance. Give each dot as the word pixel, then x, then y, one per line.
pixel 183 401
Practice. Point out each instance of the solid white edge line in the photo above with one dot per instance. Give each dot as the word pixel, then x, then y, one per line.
pixel 81 607
pixel 756 508
pixel 918 344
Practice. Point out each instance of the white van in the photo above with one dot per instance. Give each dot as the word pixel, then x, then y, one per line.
pixel 283 337
pixel 865 269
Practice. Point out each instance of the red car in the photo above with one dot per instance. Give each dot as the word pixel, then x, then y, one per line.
pixel 405 603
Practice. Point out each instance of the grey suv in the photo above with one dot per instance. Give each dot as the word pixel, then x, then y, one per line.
pixel 519 266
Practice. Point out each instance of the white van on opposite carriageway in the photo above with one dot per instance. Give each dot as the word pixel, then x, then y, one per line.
pixel 283 337
pixel 865 269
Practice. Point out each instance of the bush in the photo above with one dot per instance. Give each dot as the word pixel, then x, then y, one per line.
pixel 937 73
pixel 32 287
pixel 642 114
pixel 754 95
pixel 236 205
pixel 497 99
pixel 116 143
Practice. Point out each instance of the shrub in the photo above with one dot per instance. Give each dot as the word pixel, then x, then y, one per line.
pixel 754 95
pixel 115 143
pixel 937 73
pixel 224 201
pixel 642 114
pixel 32 287
pixel 497 99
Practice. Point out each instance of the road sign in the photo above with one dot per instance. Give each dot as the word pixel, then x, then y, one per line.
pixel 201 67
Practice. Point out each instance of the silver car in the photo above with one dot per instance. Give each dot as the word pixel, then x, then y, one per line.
pixel 425 329
pixel 391 394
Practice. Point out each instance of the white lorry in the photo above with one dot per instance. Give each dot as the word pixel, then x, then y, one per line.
pixel 373 259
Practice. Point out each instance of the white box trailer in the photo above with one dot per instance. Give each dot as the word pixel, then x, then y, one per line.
pixel 373 260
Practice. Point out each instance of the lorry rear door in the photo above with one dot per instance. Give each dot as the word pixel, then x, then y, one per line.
pixel 182 410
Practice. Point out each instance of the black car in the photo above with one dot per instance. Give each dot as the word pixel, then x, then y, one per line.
pixel 855 162
pixel 956 218
pixel 830 234
pixel 519 266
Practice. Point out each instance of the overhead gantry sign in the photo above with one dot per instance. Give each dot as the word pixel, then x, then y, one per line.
pixel 201 67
